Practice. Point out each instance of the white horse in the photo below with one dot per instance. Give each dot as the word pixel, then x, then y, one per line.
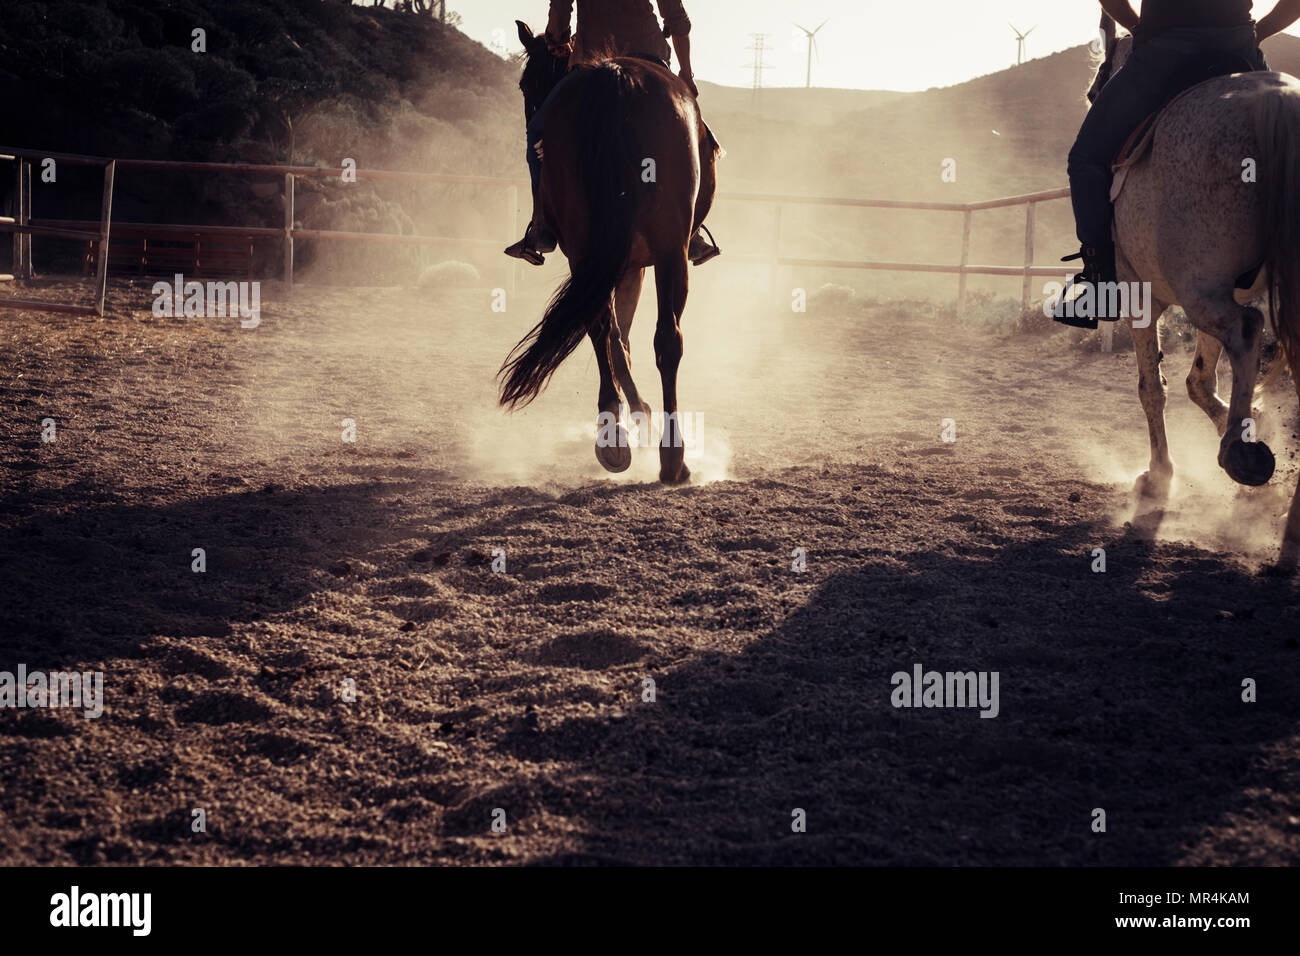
pixel 1189 222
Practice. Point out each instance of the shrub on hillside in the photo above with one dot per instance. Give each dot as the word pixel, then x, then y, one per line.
pixel 833 298
pixel 986 308
pixel 356 208
pixel 449 275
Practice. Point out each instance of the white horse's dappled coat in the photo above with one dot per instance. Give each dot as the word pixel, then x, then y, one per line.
pixel 1217 196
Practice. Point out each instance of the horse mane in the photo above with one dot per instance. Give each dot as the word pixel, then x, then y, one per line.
pixel 606 51
pixel 599 55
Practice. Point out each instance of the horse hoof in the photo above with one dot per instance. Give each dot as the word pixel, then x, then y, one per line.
pixel 615 459
pixel 1153 487
pixel 678 477
pixel 1289 560
pixel 1248 463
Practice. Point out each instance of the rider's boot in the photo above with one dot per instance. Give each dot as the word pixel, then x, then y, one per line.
pixel 537 241
pixel 1085 300
pixel 702 250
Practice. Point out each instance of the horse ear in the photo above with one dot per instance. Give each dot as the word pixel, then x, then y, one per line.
pixel 525 34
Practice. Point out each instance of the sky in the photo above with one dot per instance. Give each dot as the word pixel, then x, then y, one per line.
pixel 866 44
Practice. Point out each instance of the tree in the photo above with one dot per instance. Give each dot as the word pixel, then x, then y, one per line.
pixel 436 8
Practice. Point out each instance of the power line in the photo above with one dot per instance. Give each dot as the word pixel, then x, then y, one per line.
pixel 760 50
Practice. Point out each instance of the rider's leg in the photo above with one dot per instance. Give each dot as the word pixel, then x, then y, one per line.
pixel 537 239
pixel 702 250
pixel 538 221
pixel 1133 93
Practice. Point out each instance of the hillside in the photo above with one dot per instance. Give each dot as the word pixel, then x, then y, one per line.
pixel 817 106
pixel 314 81
pixel 280 81
pixel 1009 133
pixel 121 77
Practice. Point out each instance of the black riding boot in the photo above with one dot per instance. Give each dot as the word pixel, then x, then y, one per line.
pixel 537 240
pixel 1087 299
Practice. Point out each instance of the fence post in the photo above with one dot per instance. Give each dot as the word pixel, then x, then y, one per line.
pixel 776 248
pixel 25 217
pixel 1027 290
pixel 17 209
pixel 965 261
pixel 105 221
pixel 287 242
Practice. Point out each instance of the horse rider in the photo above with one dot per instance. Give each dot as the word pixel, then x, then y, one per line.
pixel 609 28
pixel 1170 38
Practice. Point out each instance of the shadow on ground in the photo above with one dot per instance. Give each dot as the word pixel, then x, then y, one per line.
pixel 1119 691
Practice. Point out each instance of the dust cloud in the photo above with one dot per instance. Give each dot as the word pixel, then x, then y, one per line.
pixel 868 361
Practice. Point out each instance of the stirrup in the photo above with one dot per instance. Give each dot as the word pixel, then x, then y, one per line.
pixel 521 250
pixel 536 241
pixel 711 253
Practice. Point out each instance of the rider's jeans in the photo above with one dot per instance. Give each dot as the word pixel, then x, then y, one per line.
pixel 1134 93
pixel 535 133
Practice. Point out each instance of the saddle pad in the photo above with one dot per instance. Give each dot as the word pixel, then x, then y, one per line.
pixel 1139 145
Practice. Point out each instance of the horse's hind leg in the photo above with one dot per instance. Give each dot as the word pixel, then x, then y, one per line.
pixel 626 296
pixel 612 447
pixel 671 285
pixel 617 344
pixel 1290 559
pixel 1203 380
pixel 1246 460
pixel 1154 484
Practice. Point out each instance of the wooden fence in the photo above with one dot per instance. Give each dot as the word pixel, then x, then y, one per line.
pixel 22 226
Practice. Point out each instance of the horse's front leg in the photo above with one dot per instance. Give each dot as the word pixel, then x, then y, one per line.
pixel 1245 458
pixel 1203 380
pixel 1155 483
pixel 671 284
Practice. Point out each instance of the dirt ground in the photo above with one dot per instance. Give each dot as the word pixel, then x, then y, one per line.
pixel 524 691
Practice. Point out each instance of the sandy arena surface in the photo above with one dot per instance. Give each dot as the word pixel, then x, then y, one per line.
pixel 371 561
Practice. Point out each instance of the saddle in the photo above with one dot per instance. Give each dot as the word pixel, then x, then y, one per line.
pixel 1191 76
pixel 657 60
pixel 1137 147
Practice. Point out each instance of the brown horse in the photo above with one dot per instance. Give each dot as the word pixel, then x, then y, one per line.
pixel 627 176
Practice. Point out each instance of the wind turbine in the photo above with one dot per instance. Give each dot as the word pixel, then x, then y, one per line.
pixel 812 45
pixel 1020 41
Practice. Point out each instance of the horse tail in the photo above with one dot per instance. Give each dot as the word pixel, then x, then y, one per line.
pixel 608 169
pixel 1277 129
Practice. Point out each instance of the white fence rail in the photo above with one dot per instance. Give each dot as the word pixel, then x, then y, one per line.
pixel 23 228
